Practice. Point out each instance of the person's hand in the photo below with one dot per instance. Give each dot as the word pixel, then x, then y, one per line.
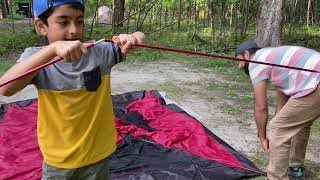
pixel 127 42
pixel 265 144
pixel 70 50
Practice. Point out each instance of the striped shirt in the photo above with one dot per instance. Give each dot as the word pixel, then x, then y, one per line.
pixel 294 83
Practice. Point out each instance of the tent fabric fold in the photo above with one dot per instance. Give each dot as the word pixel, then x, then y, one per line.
pixel 155 141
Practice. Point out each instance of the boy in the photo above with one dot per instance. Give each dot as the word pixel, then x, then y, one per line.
pixel 298 100
pixel 76 130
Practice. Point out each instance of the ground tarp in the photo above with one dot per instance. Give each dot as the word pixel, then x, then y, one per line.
pixel 155 141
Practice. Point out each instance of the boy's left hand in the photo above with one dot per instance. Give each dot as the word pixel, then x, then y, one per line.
pixel 127 42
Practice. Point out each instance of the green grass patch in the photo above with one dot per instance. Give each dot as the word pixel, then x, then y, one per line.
pixel 144 55
pixel 171 88
pixel 234 109
pixel 316 127
pixel 18 40
pixel 259 158
pixel 4 66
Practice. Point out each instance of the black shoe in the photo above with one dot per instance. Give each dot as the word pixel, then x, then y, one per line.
pixel 296 173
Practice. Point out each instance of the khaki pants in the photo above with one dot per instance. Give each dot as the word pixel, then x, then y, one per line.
pixel 289 134
pixel 97 171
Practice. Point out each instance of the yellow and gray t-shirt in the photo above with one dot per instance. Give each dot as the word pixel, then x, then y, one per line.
pixel 75 115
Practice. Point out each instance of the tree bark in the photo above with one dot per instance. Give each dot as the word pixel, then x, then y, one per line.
pixel 139 15
pixel 315 12
pixel 269 23
pixel 179 15
pixel 4 8
pixel 213 32
pixel 118 11
pixel 308 13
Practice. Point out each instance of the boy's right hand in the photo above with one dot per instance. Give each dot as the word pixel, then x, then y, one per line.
pixel 69 50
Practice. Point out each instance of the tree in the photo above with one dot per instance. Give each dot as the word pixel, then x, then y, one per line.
pixel 269 23
pixel 4 8
pixel 118 11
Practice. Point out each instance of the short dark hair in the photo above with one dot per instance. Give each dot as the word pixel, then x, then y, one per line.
pixel 253 50
pixel 249 45
pixel 246 69
pixel 44 17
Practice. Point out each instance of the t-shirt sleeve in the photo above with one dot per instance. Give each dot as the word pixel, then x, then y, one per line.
pixel 27 53
pixel 111 53
pixel 118 56
pixel 259 72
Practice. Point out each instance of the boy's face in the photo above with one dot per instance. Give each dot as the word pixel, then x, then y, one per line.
pixel 65 23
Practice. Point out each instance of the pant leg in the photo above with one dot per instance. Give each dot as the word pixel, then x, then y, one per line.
pixel 97 171
pixel 298 147
pixel 53 173
pixel 296 115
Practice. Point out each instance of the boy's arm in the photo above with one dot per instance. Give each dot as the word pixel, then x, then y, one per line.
pixel 69 50
pixel 32 62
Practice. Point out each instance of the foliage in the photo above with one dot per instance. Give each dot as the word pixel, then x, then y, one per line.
pixel 18 40
pixel 4 66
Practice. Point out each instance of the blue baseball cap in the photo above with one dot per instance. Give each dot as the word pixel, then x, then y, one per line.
pixel 41 6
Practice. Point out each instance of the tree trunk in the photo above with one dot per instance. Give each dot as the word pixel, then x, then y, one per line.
pixel 308 13
pixel 166 15
pixel 4 8
pixel 242 9
pixel 292 15
pixel 213 32
pixel 246 17
pixel 179 15
pixel 139 16
pixel 315 12
pixel 269 24
pixel 195 17
pixel 236 22
pixel 231 16
pixel 118 11
pixel 12 21
pixel 222 33
pixel 160 14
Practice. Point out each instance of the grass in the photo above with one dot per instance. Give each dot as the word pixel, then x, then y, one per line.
pixel 316 127
pixel 171 88
pixel 19 40
pixel 259 158
pixel 4 66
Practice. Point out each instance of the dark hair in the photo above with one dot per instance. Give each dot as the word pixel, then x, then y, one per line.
pixel 44 17
pixel 246 69
pixel 253 50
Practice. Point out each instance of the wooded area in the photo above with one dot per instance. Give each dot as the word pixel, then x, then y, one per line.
pixel 208 22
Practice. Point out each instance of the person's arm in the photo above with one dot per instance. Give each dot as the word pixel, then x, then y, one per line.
pixel 261 112
pixel 281 100
pixel 69 50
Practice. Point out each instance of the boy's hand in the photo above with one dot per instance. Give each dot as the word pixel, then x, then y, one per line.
pixel 70 50
pixel 127 42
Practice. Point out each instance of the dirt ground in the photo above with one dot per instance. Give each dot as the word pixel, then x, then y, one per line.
pixel 187 86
